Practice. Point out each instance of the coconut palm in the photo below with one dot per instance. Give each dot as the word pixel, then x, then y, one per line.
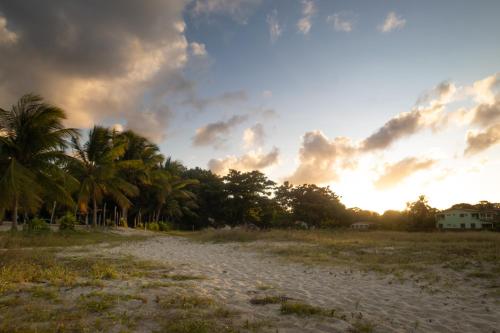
pixel 97 167
pixel 32 144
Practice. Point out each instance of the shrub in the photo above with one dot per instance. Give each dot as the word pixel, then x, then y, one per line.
pixel 165 226
pixel 153 226
pixel 36 225
pixel 122 222
pixel 67 222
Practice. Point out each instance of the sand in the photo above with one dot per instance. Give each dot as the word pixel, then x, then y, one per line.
pixel 235 274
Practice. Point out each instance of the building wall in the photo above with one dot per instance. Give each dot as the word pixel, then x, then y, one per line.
pixel 459 219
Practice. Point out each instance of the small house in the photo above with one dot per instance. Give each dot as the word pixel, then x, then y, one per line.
pixel 466 218
pixel 362 225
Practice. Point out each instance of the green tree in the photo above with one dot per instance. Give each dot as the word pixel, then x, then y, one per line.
pixel 97 167
pixel 421 216
pixel 244 191
pixel 32 149
pixel 315 205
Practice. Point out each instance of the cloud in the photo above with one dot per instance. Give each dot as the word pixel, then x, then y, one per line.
pixel 275 29
pixel 227 98
pixel 305 22
pixel 254 136
pixel 395 173
pixel 214 133
pixel 486 114
pixel 97 59
pixel 485 90
pixel 392 22
pixel 198 49
pixel 6 36
pixel 320 158
pixel 342 21
pixel 426 114
pixel 255 160
pixel 238 10
pixel 482 140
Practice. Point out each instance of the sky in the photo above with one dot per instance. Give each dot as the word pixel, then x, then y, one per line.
pixel 380 100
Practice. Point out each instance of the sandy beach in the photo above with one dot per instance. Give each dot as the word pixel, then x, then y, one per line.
pixel 234 274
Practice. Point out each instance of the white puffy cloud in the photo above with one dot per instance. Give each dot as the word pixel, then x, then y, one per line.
pixel 342 21
pixel 320 158
pixel 253 160
pixel 238 10
pixel 392 22
pixel 478 141
pixel 275 28
pixel 305 22
pixel 6 36
pixel 254 136
pixel 198 49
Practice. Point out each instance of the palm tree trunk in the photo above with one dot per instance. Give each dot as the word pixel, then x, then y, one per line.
pixel 14 214
pixel 53 212
pixel 94 212
pixel 125 215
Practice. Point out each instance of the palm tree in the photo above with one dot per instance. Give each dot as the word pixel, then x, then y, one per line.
pixel 138 160
pixel 32 147
pixel 97 167
pixel 171 190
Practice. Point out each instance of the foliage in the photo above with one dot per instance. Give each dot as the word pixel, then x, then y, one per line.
pixel 67 222
pixel 421 216
pixel 36 225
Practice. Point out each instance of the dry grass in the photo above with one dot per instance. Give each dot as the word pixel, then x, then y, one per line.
pixel 477 253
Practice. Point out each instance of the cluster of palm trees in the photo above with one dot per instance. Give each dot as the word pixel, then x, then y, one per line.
pixel 43 162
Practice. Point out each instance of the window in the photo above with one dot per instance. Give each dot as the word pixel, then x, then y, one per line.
pixel 475 215
pixel 473 226
pixel 462 225
pixel 463 215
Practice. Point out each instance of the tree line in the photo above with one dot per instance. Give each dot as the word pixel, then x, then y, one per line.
pixel 110 177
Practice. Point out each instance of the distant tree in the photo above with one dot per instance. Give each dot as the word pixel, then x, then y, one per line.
pixel 393 220
pixel 244 192
pixel 357 214
pixel 317 206
pixel 211 199
pixel 421 216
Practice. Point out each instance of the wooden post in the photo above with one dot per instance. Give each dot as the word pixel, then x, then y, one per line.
pixel 53 212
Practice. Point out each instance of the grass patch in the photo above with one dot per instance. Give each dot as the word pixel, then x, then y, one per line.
pixel 182 277
pixel 20 239
pixel 267 300
pixel 304 310
pixel 186 302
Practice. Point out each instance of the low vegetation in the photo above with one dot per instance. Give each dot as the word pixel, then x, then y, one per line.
pixel 400 253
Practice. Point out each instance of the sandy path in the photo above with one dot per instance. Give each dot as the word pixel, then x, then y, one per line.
pixel 233 274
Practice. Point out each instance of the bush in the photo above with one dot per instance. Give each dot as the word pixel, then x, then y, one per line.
pixel 165 226
pixel 67 222
pixel 36 225
pixel 122 222
pixel 153 226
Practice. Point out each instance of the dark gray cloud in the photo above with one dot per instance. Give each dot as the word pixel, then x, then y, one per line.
pixel 426 114
pixel 214 134
pixel 247 162
pixel 225 99
pixel 97 59
pixel 482 140
pixel 394 174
